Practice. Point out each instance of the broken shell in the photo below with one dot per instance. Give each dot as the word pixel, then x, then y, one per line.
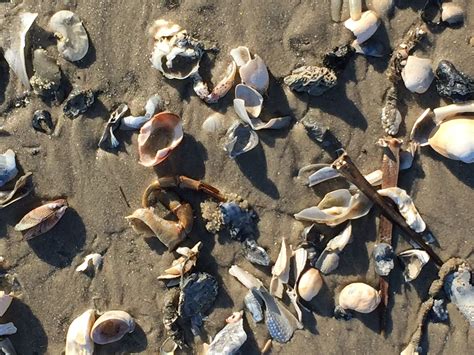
pixel 413 260
pixel 182 265
pixel 444 112
pixel 364 27
pixel 220 90
pixel 240 55
pixel 253 72
pixel 355 9
pixel 152 106
pixel 255 253
pixel 300 257
pixel 73 42
pixel 328 261
pixel 8 168
pixel 253 101
pixel 383 255
pixel 9 197
pixel 359 297
pixel 245 278
pixel 41 219
pixel 422 128
pixel 78 102
pixel 417 74
pixel 7 329
pixel 452 13
pixel 91 261
pixel 5 302
pixel 14 48
pixel 230 338
pixel 214 123
pixel 309 284
pixel 281 270
pixel 459 287
pixel 370 48
pixel 313 80
pixel 111 327
pixel 47 77
pixel 42 121
pixel 112 124
pixel 240 139
pixel 253 306
pixel 452 83
pixel 78 339
pixel 256 123
pixel 158 137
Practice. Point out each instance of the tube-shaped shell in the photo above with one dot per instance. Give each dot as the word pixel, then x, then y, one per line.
pixel 8 168
pixel 41 219
pixel 418 74
pixel 5 302
pixel 359 297
pixel 78 339
pixel 309 284
pixel 355 9
pixel 245 278
pixel 252 99
pixel 158 137
pixel 364 27
pixel 111 327
pixel 73 42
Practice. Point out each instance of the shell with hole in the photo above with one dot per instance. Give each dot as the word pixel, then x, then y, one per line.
pixel 78 338
pixel 359 297
pixel 309 284
pixel 158 137
pixel 364 27
pixel 111 327
pixel 73 43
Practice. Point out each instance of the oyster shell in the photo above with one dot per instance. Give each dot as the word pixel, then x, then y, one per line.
pixel 8 168
pixel 413 260
pixel 152 106
pixel 73 43
pixel 383 255
pixel 313 80
pixel 91 261
pixel 78 338
pixel 452 83
pixel 158 137
pixel 309 284
pixel 417 74
pixel 458 286
pixel 359 297
pixel 47 78
pixel 230 338
pixel 111 327
pixel 364 27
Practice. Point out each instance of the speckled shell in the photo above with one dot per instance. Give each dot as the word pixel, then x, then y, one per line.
pixel 359 297
pixel 309 284
pixel 112 326
pixel 78 340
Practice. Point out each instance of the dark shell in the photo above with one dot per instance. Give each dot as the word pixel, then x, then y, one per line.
pixel 42 121
pixel 78 102
pixel 453 84
pixel 338 58
pixel 383 255
pixel 252 304
pixel 239 222
pixel 170 317
pixel 255 253
pixel 311 79
pixel 342 314
pixel 314 129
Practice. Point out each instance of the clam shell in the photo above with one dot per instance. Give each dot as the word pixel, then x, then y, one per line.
pixel 364 27
pixel 73 42
pixel 91 261
pixel 256 123
pixel 253 101
pixel 254 73
pixel 111 327
pixel 359 297
pixel 158 137
pixel 417 74
pixel 214 123
pixel 240 55
pixel 41 219
pixel 9 197
pixel 309 284
pixel 414 260
pixel 8 168
pixel 78 339
pixel 445 112
pixel 153 104
pixel 5 302
pixel 452 13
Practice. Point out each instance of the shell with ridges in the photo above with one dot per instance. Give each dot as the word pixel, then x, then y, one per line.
pixel 112 326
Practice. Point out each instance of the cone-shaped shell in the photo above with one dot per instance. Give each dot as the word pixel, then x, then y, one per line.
pixel 111 327
pixel 73 43
pixel 309 284
pixel 359 297
pixel 5 301
pixel 41 219
pixel 158 137
pixel 78 339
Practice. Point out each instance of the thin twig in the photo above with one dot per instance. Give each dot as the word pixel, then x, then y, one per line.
pixel 124 197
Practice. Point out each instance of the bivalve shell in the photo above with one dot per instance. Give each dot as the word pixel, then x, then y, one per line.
pixel 111 327
pixel 309 284
pixel 78 339
pixel 417 74
pixel 364 27
pixel 73 42
pixel 359 297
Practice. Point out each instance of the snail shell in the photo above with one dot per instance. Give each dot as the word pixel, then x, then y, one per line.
pixel 78 340
pixel 309 284
pixel 359 297
pixel 111 327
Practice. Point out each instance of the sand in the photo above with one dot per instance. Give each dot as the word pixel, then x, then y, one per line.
pixel 286 34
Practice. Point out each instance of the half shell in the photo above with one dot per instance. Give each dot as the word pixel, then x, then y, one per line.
pixel 253 72
pixel 417 74
pixel 359 297
pixel 11 196
pixel 413 260
pixel 73 42
pixel 158 137
pixel 8 168
pixel 309 284
pixel 253 101
pixel 364 27
pixel 230 338
pixel 111 327
pixel 256 123
pixel 78 339
pixel 154 104
pixel 240 139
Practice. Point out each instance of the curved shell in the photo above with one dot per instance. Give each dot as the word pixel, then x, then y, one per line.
pixel 452 13
pixel 78 339
pixel 413 260
pixel 230 338
pixel 256 123
pixel 445 112
pixel 364 27
pixel 5 302
pixel 8 168
pixel 240 139
pixel 309 284
pixel 158 137
pixel 73 42
pixel 255 74
pixel 183 264
pixel 417 74
pixel 240 55
pixel 252 99
pixel 41 219
pixel 359 297
pixel 111 327
pixel 355 9
pixel 214 123
pixel 17 193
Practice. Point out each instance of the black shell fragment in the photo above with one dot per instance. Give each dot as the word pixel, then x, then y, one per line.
pixel 453 84
pixel 338 58
pixel 78 102
pixel 42 121
pixel 255 253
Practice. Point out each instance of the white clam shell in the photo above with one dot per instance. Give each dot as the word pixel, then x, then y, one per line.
pixel 309 284
pixel 240 55
pixel 417 74
pixel 78 339
pixel 365 27
pixel 5 302
pixel 252 99
pixel 359 297
pixel 254 72
pixel 111 327
pixel 91 261
pixel 414 260
pixel 8 168
pixel 73 43
pixel 214 123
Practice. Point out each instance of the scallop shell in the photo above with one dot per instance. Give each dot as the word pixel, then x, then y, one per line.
pixel 155 146
pixel 359 297
pixel 253 101
pixel 41 219
pixel 111 327
pixel 417 74
pixel 452 13
pixel 8 168
pixel 5 302
pixel 364 27
pixel 309 284
pixel 73 43
pixel 93 261
pixel 413 260
pixel 78 339
pixel 230 338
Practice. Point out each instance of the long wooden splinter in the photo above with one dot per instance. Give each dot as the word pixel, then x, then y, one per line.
pixel 347 169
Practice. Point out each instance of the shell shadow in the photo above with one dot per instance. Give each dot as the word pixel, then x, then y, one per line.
pixel 131 343
pixel 90 57
pixel 59 246
pixel 250 345
pixel 5 75
pixel 463 171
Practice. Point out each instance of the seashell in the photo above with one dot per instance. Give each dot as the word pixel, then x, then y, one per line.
pixel 412 349
pixel 300 257
pixel 78 338
pixel 230 338
pixel 413 260
pixel 253 306
pixel 458 286
pixel 313 80
pixel 111 327
pixel 14 47
pixel 78 102
pixel 245 278
pixel 370 48
pixel 407 155
pixel 309 284
pixel 254 73
pixel 391 116
pixel 359 297
pixel 452 83
pixel 240 55
pixel 383 255
pixel 405 206
pixel 293 296
pixel 42 122
pixel 423 127
pixel 8 168
pixel 383 8
pixel 364 27
pixel 337 207
pixel 439 313
pixel 93 261
pixel 336 7
pixel 182 265
pixel 328 261
pixel 253 101
pixel 18 192
pixel 256 123
pixel 168 347
pixel 452 13
pixel 444 112
pixel 239 221
pixel 152 106
pixel 5 302
pixel 73 42
pixel 158 137
pixel 7 329
pixel 7 347
pixel 41 219
pixel 47 78
pixel 417 74
pixel 240 139
pixel 355 9
pixel 214 123
pixel 281 269
pixel 220 90
pixel 314 129
pixel 255 253
pixel 112 124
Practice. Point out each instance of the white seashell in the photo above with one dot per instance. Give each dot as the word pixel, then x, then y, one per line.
pixel 328 261
pixel 300 256
pixel 5 302
pixel 256 123
pixel 339 242
pixel 252 99
pixel 452 13
pixel 422 128
pixel 406 207
pixel 111 327
pixel 78 339
pixel 281 269
pixel 152 106
pixel 73 42
pixel 214 123
pixel 293 296
pixel 7 329
pixel 245 278
pixel 91 261
pixel 355 9
pixel 410 350
pixel 442 113
pixel 309 284
pixel 414 260
pixel 183 264
pixel 254 73
pixel 336 7
pixel 240 55
pixel 240 139
pixel 14 48
pixel 230 338
pixel 8 168
pixel 417 74
pixel 383 7
pixel 359 297
pixel 365 27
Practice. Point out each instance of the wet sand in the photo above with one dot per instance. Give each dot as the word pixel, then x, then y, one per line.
pixel 286 34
